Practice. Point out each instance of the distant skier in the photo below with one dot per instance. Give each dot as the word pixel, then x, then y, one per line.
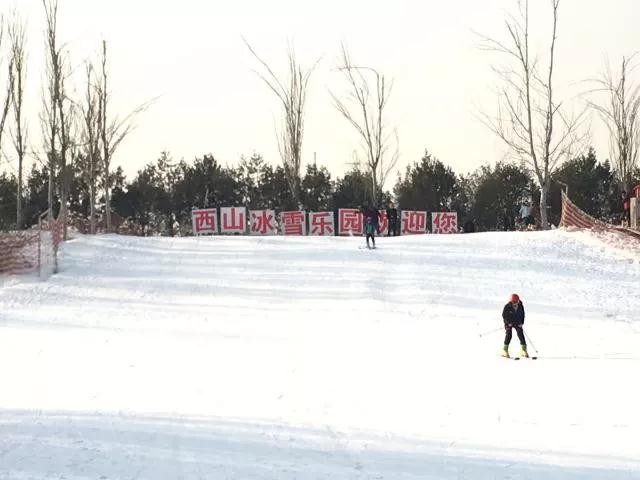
pixel 371 221
pixel 392 217
pixel 513 316
pixel 526 219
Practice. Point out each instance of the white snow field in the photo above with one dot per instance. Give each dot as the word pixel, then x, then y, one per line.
pixel 310 358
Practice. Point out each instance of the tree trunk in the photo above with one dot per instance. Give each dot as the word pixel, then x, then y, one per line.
pixel 92 207
pixel 374 188
pixel 92 191
pixel 50 193
pixel 544 193
pixel 107 203
pixel 63 202
pixel 19 225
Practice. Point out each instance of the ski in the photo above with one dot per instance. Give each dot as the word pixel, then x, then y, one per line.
pixel 525 358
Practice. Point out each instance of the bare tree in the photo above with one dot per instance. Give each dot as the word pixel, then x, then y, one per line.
pixel 364 108
pixel 530 121
pixel 17 80
pixel 67 116
pixel 5 103
pixel 49 116
pixel 292 93
pixel 57 114
pixel 49 126
pixel 112 131
pixel 91 127
pixel 620 114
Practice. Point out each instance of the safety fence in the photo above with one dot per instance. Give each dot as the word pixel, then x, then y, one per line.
pixel 31 251
pixel 574 217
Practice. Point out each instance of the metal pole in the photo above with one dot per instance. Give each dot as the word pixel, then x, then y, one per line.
pixel 491 331
pixel 531 343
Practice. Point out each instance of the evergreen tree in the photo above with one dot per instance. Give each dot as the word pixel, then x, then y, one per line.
pixel 208 184
pixel 37 195
pixel 317 189
pixel 150 200
pixel 499 193
pixel 8 196
pixel 275 190
pixel 118 194
pixel 427 186
pixel 78 194
pixel 352 190
pixel 145 195
pixel 462 202
pixel 250 175
pixel 591 185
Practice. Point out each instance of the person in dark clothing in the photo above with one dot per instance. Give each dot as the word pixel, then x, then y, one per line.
pixel 513 317
pixel 507 221
pixel 626 209
pixel 469 226
pixel 371 222
pixel 392 217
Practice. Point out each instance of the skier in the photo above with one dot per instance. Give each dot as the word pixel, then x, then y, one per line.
pixel 526 219
pixel 626 209
pixel 392 216
pixel 513 316
pixel 371 221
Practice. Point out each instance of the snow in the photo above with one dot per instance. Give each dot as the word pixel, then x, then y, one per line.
pixel 309 358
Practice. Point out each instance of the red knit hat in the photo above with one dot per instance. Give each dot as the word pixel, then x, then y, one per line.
pixel 514 298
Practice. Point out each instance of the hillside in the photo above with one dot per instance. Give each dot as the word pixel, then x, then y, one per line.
pixel 311 358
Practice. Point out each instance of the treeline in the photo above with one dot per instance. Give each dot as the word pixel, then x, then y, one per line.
pixel 80 133
pixel 159 199
pixel 79 130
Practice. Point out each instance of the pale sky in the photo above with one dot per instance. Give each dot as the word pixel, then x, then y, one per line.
pixel 190 53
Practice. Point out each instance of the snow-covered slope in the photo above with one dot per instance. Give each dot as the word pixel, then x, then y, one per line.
pixel 309 358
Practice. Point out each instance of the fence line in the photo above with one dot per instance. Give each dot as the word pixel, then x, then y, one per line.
pixel 574 217
pixel 31 251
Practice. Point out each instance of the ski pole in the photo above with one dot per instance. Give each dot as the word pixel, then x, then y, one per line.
pixel 491 331
pixel 531 343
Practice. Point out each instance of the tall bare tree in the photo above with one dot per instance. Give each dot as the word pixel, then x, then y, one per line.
pixel 57 115
pixel 620 113
pixel 17 75
pixel 49 126
pixel 67 118
pixel 292 93
pixel 90 151
pixel 5 93
pixel 365 109
pixel 52 123
pixel 112 131
pixel 534 125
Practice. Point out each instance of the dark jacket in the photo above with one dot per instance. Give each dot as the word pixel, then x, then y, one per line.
pixel 469 227
pixel 392 215
pixel 370 216
pixel 513 317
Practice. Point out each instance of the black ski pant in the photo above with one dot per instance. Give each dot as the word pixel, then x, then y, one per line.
pixel 392 229
pixel 372 237
pixel 509 334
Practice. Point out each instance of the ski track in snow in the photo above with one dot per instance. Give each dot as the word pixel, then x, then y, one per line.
pixel 308 358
